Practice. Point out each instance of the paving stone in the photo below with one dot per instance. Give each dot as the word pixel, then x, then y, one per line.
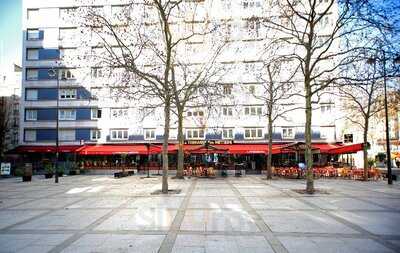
pixel 139 219
pixel 28 243
pixel 7 202
pixel 382 223
pixel 342 203
pixel 221 244
pixel 64 219
pixel 116 243
pixel 99 202
pixel 332 245
pixel 155 202
pixel 215 202
pixel 303 222
pixel 218 220
pixel 47 203
pixel 276 203
pixel 11 217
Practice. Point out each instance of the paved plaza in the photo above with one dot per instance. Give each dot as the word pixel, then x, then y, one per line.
pixel 92 213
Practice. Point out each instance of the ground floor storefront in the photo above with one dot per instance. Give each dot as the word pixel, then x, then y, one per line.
pixel 200 159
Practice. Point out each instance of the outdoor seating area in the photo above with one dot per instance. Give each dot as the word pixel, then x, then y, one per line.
pixel 328 172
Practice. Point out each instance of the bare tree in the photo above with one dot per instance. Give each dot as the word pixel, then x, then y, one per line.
pixel 141 40
pixel 361 100
pixel 313 30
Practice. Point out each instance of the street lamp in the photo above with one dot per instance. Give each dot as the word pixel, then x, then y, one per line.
pixel 396 60
pixel 54 72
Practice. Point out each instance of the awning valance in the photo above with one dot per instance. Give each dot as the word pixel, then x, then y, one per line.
pixel 45 149
pixel 139 149
pixel 347 149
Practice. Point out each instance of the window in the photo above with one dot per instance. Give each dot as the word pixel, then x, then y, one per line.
pixel 227 89
pixel 195 134
pixel 173 134
pixel 66 135
pixel 253 27
pixel 67 114
pixel 288 133
pixel 96 10
pixel 32 54
pixel 227 111
pixel 348 138
pixel 117 113
pixel 253 110
pixel 30 135
pixel 67 53
pixel 96 113
pixel 119 134
pixel 326 108
pixel 31 114
pixel 67 74
pixel 117 10
pixel 95 134
pixel 32 14
pixel 67 13
pixel 227 133
pixel 32 34
pixel 196 113
pixel 32 74
pixel 324 132
pixel 31 94
pixel 226 4
pixel 67 33
pixel 253 133
pixel 252 89
pixel 250 4
pixel 149 134
pixel 68 94
pixel 97 72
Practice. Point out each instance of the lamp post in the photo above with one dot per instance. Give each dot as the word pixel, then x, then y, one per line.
pixel 388 155
pixel 54 72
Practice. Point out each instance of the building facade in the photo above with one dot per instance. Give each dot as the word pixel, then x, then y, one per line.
pixel 90 112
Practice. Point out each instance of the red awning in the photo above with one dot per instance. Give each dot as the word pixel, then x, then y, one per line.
pixel 347 149
pixel 46 149
pixel 140 149
pixel 325 147
pixel 242 149
pixel 203 149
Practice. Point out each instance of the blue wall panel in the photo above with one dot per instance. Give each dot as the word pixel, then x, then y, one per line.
pixel 136 137
pixel 214 136
pixel 41 34
pixel 83 93
pixel 47 94
pixel 45 134
pixel 49 54
pixel 83 114
pixel 239 136
pixel 44 74
pixel 47 114
pixel 82 134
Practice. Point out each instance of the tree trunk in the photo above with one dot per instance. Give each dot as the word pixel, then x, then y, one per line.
pixel 365 151
pixel 269 158
pixel 308 135
pixel 179 171
pixel 165 147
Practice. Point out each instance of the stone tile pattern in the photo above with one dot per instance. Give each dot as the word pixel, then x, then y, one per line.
pixel 248 214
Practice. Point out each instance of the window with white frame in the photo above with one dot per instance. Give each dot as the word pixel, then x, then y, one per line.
pixel 67 13
pixel 226 4
pixel 32 74
pixel 348 138
pixel 117 10
pixel 253 27
pixel 227 89
pixel 67 114
pixel 67 135
pixel 251 4
pixel 119 134
pixel 227 111
pixel 150 134
pixel 32 14
pixel 67 74
pixel 67 93
pixel 195 113
pixel 118 113
pixel 30 135
pixel 31 94
pixel 95 134
pixel 253 110
pixel 195 134
pixel 326 108
pixel 67 53
pixel 32 34
pixel 67 33
pixel 32 54
pixel 324 132
pixel 96 113
pixel 173 134
pixel 253 133
pixel 288 133
pixel 31 114
pixel 227 133
pixel 97 72
pixel 252 89
pixel 99 10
